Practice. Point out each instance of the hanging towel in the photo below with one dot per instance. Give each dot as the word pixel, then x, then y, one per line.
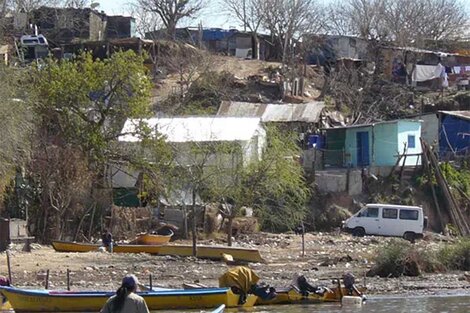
pixel 423 73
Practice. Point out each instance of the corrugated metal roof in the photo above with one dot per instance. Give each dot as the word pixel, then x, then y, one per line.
pixel 372 124
pixel 180 197
pixel 302 112
pixel 461 114
pixel 241 109
pixel 418 50
pixel 197 129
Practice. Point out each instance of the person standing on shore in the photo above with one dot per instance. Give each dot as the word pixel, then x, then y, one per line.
pixel 107 240
pixel 125 300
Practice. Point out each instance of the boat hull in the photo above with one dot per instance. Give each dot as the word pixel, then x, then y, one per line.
pixel 49 301
pixel 65 246
pixel 214 252
pixel 293 296
pixel 207 252
pixel 5 307
pixel 149 239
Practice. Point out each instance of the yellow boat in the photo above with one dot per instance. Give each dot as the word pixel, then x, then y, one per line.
pixel 23 300
pixel 5 307
pixel 207 252
pixel 67 246
pixel 150 239
pixel 214 252
pixel 294 296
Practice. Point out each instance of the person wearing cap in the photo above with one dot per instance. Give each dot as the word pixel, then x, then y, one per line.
pixel 126 300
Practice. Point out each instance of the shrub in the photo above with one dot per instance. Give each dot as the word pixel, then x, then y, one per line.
pixel 399 257
pixel 456 256
pixel 390 259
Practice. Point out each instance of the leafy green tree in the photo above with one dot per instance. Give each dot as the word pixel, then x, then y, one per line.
pixel 196 167
pixel 85 102
pixel 274 186
pixel 278 187
pixel 81 107
pixel 17 125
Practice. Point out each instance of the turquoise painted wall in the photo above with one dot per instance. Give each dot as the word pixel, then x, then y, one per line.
pixel 385 144
pixel 405 130
pixel 350 145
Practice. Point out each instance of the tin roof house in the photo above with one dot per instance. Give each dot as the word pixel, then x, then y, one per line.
pixel 181 133
pixel 377 144
pixel 248 133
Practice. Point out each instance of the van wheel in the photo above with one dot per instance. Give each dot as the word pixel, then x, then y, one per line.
pixel 358 232
pixel 410 237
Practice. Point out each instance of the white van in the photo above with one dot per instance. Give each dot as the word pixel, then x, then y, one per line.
pixel 387 220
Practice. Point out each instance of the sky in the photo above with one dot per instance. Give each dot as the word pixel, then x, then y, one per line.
pixel 212 15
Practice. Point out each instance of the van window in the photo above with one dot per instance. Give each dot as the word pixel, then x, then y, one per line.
pixel 409 214
pixel 389 213
pixel 371 212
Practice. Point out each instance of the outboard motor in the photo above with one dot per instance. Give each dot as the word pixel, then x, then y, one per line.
pixel 349 280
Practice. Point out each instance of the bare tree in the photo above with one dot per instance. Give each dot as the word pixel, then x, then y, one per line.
pixel 287 20
pixel 363 18
pixel 4 7
pixel 3 13
pixel 442 19
pixel 78 4
pixel 146 21
pixel 172 11
pixel 251 14
pixel 27 6
pixel 65 179
pixel 405 22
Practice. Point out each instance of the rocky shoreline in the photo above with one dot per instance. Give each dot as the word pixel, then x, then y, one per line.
pixel 327 256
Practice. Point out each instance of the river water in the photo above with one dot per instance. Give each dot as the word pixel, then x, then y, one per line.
pixel 403 304
pixel 425 304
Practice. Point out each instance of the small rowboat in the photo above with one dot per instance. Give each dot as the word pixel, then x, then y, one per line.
pixel 66 246
pixel 205 252
pixel 150 239
pixel 23 300
pixel 294 296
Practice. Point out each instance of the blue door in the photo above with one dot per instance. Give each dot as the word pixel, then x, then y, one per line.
pixel 362 140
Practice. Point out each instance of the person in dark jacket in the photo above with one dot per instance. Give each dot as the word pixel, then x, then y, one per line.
pixel 107 239
pixel 126 300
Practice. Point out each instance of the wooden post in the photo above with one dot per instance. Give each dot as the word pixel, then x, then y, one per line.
pixel 47 279
pixel 425 161
pixel 9 267
pixel 150 282
pixel 303 239
pixel 193 226
pixel 90 228
pixel 68 279
pixel 457 216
